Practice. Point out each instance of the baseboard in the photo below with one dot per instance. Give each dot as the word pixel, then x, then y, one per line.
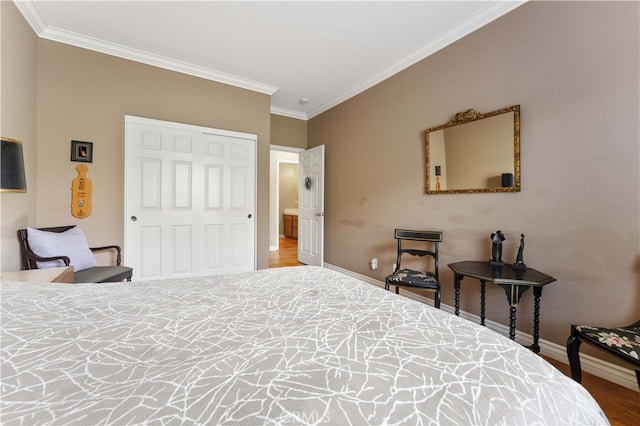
pixel 592 365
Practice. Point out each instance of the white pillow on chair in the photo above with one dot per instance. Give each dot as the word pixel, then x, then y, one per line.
pixel 71 243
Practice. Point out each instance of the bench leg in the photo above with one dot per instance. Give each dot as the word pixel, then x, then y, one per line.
pixel 573 348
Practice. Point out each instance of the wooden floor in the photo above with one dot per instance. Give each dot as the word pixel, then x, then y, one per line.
pixel 286 255
pixel 621 405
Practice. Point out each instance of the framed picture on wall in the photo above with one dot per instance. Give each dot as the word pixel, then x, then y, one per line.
pixel 82 151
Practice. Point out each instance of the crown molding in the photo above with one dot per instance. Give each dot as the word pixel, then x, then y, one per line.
pixel 490 13
pixel 289 113
pixel 35 19
pixel 101 46
pixel 33 16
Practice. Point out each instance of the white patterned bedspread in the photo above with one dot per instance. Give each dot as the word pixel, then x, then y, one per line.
pixel 279 346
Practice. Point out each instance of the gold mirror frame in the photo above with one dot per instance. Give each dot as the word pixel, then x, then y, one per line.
pixel 469 116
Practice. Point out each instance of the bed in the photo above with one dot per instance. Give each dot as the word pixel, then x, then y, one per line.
pixel 298 345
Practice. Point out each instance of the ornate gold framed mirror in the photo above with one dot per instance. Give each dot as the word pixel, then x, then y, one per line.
pixel 474 152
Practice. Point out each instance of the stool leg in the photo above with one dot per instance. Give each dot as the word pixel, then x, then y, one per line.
pixel 512 323
pixel 483 298
pixel 573 347
pixel 456 282
pixel 537 292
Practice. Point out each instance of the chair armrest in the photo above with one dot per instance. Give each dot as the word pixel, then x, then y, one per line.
pixel 35 257
pixel 113 247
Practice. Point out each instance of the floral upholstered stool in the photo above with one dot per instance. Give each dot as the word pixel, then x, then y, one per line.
pixel 622 342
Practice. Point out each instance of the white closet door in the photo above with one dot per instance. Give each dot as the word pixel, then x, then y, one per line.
pixel 190 200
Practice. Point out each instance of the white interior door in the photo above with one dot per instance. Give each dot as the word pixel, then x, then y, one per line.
pixel 311 207
pixel 190 200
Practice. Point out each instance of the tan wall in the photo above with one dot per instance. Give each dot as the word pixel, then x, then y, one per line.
pixel 573 68
pixel 287 131
pixel 288 186
pixel 18 121
pixel 84 95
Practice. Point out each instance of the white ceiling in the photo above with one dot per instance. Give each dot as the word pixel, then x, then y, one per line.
pixel 325 51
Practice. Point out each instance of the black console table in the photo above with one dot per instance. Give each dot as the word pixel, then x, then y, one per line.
pixel 514 282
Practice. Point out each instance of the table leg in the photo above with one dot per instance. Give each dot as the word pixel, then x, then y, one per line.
pixel 512 322
pixel 482 301
pixel 537 292
pixel 456 284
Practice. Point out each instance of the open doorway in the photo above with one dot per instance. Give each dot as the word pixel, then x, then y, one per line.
pixel 288 200
pixel 283 221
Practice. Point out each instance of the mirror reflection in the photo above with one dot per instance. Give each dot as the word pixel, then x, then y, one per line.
pixel 475 152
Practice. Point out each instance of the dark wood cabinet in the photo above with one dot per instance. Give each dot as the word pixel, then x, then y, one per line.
pixel 291 226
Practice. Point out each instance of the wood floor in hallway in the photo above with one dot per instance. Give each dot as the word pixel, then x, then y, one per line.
pixel 621 405
pixel 286 255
